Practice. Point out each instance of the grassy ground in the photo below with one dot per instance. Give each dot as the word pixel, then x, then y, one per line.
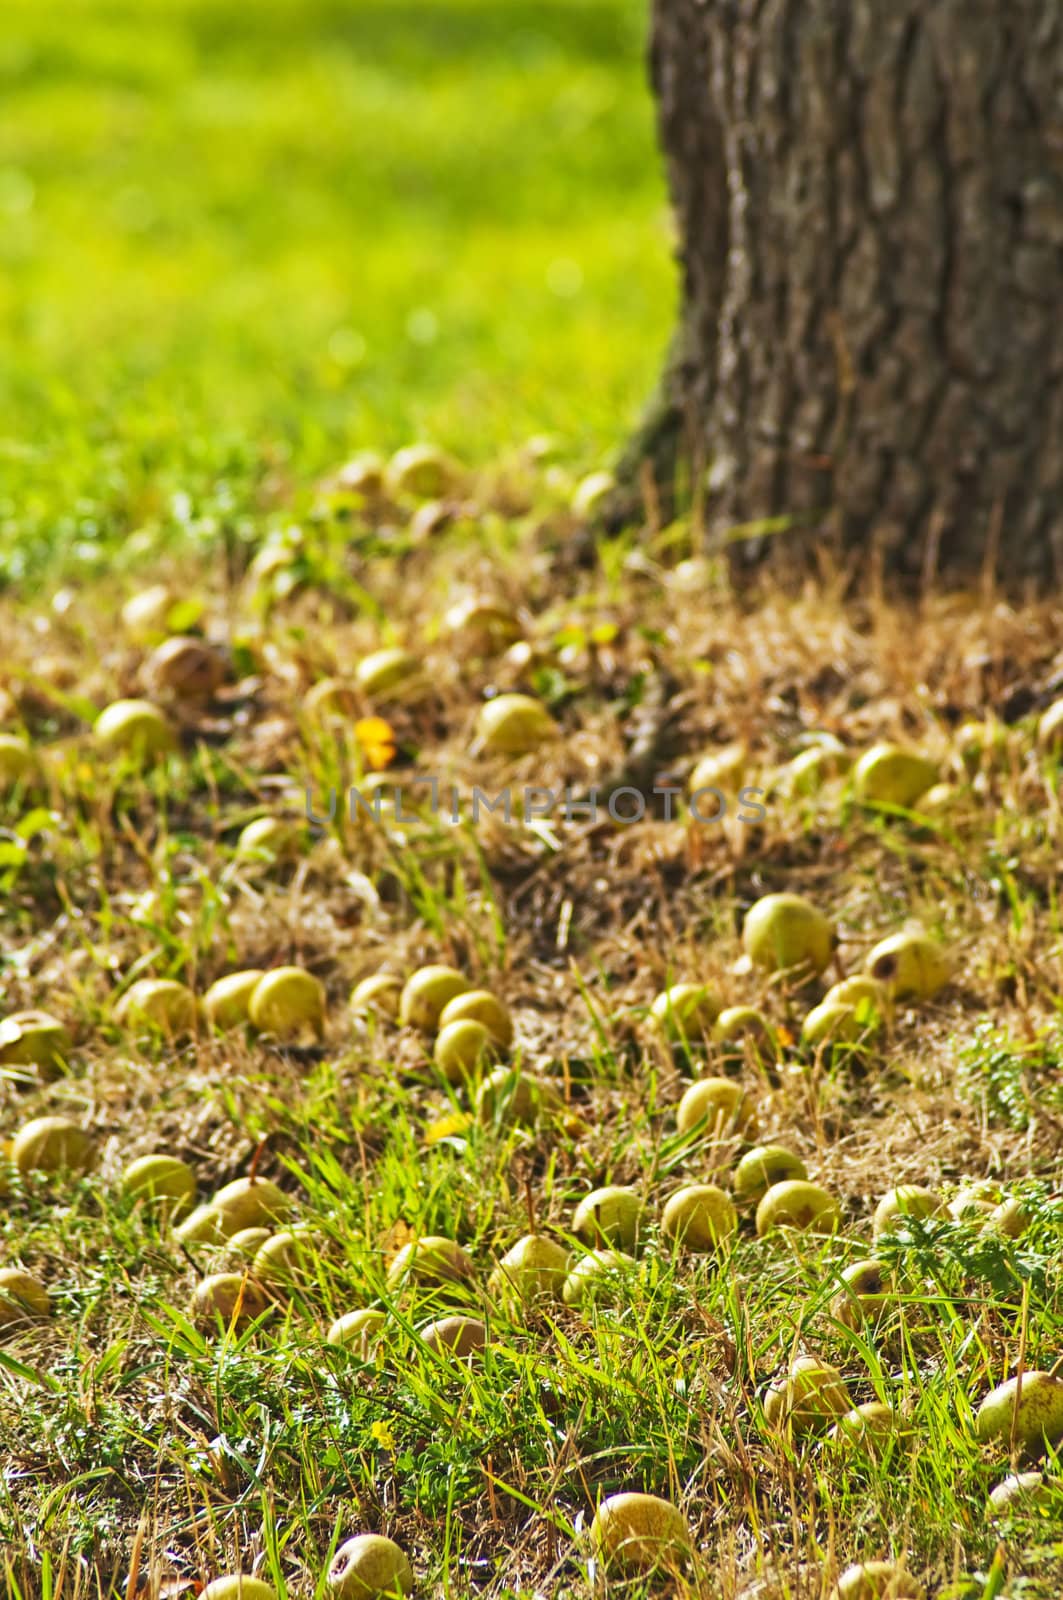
pixel 234 248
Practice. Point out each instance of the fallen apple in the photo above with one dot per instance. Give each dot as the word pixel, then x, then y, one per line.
pixel 1010 1217
pixel 242 1247
pixel 250 1203
pixel 764 1166
pixel 738 1025
pixel 233 1297
pixel 481 627
pixel 423 471
pixel 460 1336
pixel 269 840
pixel 508 1098
pixel 161 1004
pixel 716 1106
pixel 685 1011
pixel 811 1396
pixel 389 674
pixel 1024 1491
pixel 363 474
pixel 610 1215
pixel 165 1183
pixel 534 1269
pixel 462 1050
pixel 226 1002
pixel 796 1203
pixel 22 1297
pixel 910 965
pixel 890 774
pixel 870 1426
pixel 865 1294
pixel 431 1262
pixel 236 1586
pixel 864 992
pixel 786 933
pixel 600 1277
pixel 360 1328
pixel 368 1567
pixel 34 1039
pixel 480 1005
pixel 717 770
pixel 145 614
pixel 699 1216
pixel 134 728
pixel 907 1200
pixel 380 993
pixel 514 725
pixel 17 762
pixel 290 1259
pixel 1027 1409
pixel 185 668
pixel 640 1533
pixel 877 1580
pixel 836 1024
pixel 287 1000
pixel 52 1144
pixel 425 994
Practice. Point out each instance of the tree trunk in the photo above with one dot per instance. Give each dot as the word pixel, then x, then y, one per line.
pixel 869 195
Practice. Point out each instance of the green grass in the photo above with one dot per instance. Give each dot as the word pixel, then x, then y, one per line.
pixel 235 245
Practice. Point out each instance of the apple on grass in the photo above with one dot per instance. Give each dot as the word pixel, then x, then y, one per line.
pixel 787 933
pixel 368 1567
pixel 796 1203
pixel 432 1261
pixel 514 725
pixel 237 1586
pixel 640 1534
pixel 285 1001
pixel 163 1183
pixel 22 1297
pixel 357 1329
pixel 764 1166
pixel 811 1397
pixel 877 1580
pixel 426 992
pixel 699 1216
pixel 1027 1409
pixel 534 1269
pixel 717 1106
pixel 910 965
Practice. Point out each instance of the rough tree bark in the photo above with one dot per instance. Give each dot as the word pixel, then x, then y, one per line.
pixel 869 197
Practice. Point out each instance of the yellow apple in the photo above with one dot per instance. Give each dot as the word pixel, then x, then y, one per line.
pixel 796 1203
pixel 52 1144
pixel 226 1002
pixel 699 1216
pixel 640 1533
pixel 286 1000
pixel 368 1567
pixel 611 1215
pixel 479 1005
pixel 426 992
pixel 889 774
pixel 514 725
pixel 135 728
pixel 910 965
pixel 785 932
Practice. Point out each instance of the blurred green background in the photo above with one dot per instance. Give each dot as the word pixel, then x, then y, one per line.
pixel 244 239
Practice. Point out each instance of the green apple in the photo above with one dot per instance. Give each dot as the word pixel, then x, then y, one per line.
pixel 165 1183
pixel 461 1336
pixel 809 1398
pixel 481 627
pixel 204 1225
pixel 162 1004
pixel 1050 727
pixel 1024 1491
pixel 786 933
pixel 877 1580
pixel 368 1567
pixel 890 774
pixel 508 1098
pixel 866 1292
pixel 910 965
pixel 236 1586
pixel 425 994
pixel 978 743
pixel 592 492
pixel 610 1215
pixel 242 1247
pixel 269 840
pixel 871 1425
pixel 810 769
pixel 52 1144
pixel 717 1106
pixel 907 1200
pixel 33 1039
pixel 699 1216
pixel 533 1269
pixel 249 1203
pixel 738 1024
pixel 285 1001
pixel 289 1259
pixel 640 1533
pixel 431 1262
pixel 363 474
pixel 233 1296
pixel 796 1203
pixel 864 992
pixel 330 698
pixel 1030 1411
pixel 226 1002
pixel 514 725
pixel 146 613
pixel 602 1276
pixel 380 993
pixel 135 728
pixel 423 471
pixel 1011 1218
pixel 22 1296
pixel 16 760
pixel 764 1166
pixel 975 1200
pixel 185 668
pixel 461 1050
pixel 480 1005
pixel 719 769
pixel 388 674
pixel 846 1026
pixel 359 1328
pixel 685 1011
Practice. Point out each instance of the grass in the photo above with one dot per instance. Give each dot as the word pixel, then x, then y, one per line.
pixel 232 251
pixel 236 246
